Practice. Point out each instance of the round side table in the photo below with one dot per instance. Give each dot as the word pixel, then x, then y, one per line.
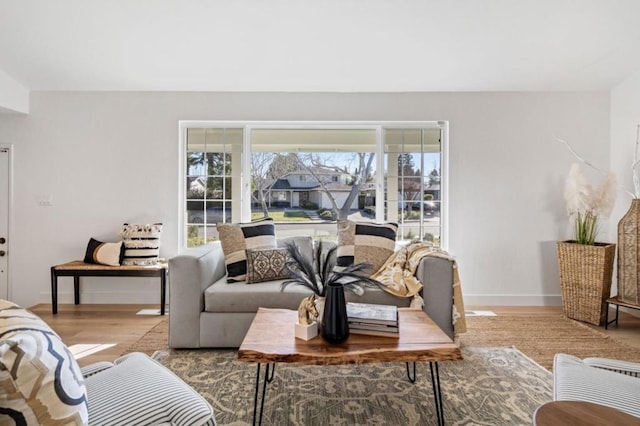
pixel 562 413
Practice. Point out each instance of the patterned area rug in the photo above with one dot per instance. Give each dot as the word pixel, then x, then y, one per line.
pixel 492 386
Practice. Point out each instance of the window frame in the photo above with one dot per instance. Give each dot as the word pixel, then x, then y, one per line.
pixel 377 126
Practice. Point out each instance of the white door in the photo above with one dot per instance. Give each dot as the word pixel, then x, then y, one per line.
pixel 5 171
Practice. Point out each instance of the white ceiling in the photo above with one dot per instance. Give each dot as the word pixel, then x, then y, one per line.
pixel 321 45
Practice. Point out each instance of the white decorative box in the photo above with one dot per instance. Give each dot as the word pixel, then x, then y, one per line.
pixel 306 332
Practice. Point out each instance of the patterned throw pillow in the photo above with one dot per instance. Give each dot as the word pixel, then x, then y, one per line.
pixel 109 254
pixel 365 242
pixel 141 243
pixel 237 238
pixel 267 265
pixel 40 381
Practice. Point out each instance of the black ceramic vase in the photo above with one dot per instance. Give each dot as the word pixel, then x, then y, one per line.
pixel 335 326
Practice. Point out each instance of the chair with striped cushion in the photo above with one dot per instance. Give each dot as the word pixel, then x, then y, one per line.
pixel 598 380
pixel 137 390
pixel 42 384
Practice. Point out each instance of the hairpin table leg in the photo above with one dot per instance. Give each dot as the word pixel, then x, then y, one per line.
pixel 437 393
pixel 411 379
pixel 257 418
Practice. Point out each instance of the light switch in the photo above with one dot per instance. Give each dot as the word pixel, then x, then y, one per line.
pixel 45 200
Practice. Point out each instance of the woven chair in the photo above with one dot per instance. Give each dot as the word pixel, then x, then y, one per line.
pixel 601 381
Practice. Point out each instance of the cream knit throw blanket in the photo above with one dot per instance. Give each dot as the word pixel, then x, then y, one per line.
pixel 398 276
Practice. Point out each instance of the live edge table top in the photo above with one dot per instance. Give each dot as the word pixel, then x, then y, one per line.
pixel 271 339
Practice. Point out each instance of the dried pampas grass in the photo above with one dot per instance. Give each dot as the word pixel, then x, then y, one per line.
pixel 577 191
pixel 586 204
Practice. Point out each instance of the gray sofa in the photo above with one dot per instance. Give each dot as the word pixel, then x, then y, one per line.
pixel 206 312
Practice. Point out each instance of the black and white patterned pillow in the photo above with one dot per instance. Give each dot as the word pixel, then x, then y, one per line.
pixel 365 242
pixel 267 265
pixel 237 238
pixel 109 254
pixel 141 243
pixel 41 381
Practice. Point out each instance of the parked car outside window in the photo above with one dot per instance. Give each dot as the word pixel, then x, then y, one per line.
pixel 214 215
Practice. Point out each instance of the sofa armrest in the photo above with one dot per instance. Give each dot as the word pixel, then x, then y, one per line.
pixel 190 273
pixel 436 276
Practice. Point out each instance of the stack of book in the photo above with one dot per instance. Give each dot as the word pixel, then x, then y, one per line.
pixel 375 320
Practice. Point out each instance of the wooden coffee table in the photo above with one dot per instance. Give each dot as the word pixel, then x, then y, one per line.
pixel 271 340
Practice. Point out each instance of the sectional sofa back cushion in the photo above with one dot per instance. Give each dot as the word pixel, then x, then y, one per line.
pixel 304 243
pixel 365 242
pixel 40 381
pixel 237 238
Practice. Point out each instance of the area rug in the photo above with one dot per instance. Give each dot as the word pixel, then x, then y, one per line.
pixel 542 336
pixel 492 386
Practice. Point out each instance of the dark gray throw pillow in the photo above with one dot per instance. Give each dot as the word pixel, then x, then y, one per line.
pixel 267 264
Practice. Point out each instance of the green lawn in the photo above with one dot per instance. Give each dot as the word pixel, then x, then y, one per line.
pixel 278 216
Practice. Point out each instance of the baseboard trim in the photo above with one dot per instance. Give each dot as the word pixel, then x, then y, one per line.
pixel 513 299
pixel 106 297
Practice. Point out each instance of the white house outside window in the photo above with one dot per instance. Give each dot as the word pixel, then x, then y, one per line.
pixel 305 175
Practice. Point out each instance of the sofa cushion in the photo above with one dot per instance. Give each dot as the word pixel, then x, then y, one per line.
pixel 365 242
pixel 40 381
pixel 221 297
pixel 237 238
pixel 267 264
pixel 304 244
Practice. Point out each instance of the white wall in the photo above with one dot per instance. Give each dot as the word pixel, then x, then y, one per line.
pixel 14 97
pixel 107 158
pixel 625 117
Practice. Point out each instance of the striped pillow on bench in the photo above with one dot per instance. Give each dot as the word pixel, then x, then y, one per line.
pixel 141 243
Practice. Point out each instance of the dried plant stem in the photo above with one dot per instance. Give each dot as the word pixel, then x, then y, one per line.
pixel 637 186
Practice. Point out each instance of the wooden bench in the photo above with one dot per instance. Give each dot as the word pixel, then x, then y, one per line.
pixel 78 268
pixel 617 302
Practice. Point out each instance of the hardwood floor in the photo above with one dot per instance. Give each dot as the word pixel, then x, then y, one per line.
pixel 99 324
pixel 119 325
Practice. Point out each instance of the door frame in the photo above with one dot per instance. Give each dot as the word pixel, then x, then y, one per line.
pixel 10 148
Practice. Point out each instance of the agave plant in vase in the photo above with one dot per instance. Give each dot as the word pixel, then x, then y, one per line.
pixel 320 275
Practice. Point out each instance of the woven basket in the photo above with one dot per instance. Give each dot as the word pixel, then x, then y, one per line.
pixel 585 279
pixel 629 255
